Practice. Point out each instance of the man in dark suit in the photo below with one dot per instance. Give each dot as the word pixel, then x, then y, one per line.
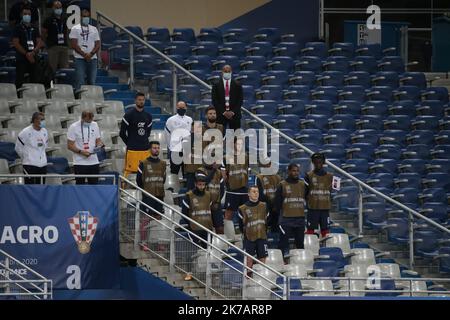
pixel 227 98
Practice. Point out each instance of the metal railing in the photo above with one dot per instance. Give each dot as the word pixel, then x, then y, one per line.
pixel 203 254
pixel 18 178
pixel 18 281
pixel 361 185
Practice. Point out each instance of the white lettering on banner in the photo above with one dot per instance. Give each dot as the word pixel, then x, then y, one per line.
pixel 21 272
pixel 29 234
pixel 74 280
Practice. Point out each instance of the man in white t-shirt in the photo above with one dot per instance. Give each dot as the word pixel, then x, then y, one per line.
pixel 178 127
pixel 85 41
pixel 84 140
pixel 30 146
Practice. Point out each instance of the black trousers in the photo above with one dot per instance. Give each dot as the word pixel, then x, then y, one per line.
pixel 295 230
pixel 234 123
pixel 86 170
pixel 175 168
pixel 34 170
pixel 23 67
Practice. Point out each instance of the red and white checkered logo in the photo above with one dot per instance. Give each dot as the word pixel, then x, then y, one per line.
pixel 83 227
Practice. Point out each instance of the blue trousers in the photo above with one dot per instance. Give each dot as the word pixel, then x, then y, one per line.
pixel 86 72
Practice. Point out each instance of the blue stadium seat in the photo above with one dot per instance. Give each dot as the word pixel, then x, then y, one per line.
pixel 309 136
pixel 286 121
pixel 375 215
pixel 181 48
pixel 365 63
pixel 276 77
pixel 397 122
pixel 425 123
pixel 425 244
pixel 324 107
pixel 345 49
pixel 358 78
pixel 408 93
pixel 332 254
pixel 314 121
pixel 342 121
pixel 347 200
pixel 309 63
pixel 57 165
pixel 200 62
pixel 370 122
pixel 386 78
pixel 208 48
pixel 261 48
pixel 249 77
pixel 8 152
pixel 383 93
pixel 438 165
pixel 381 180
pixel 297 92
pixel 444 259
pixel 392 63
pixel 266 106
pixel 337 63
pixel 158 34
pixel 403 107
pixel 353 92
pixel 436 93
pixel 384 166
pixel 338 136
pixel 233 49
pixel 326 268
pixel 270 92
pixel 397 230
pixel 335 151
pixel 397 137
pixel 258 63
pixel 416 151
pixel 307 78
pixel 236 35
pixel 435 211
pixel 331 78
pixel 108 36
pixel 223 60
pixel 281 63
pixel 414 79
pixel 210 34
pixel 190 93
pixel 317 49
pixel 375 108
pixel 184 34
pixel 325 93
pixel 437 180
pixel 431 108
pixel 356 165
pixel 361 151
pixel 348 107
pixel 293 106
pixel 290 49
pixel 433 195
pixel 408 180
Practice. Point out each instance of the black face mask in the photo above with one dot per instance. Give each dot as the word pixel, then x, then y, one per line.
pixel 181 112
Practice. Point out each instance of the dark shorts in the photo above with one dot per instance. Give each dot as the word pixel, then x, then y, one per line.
pixel 217 218
pixel 175 168
pixel 235 199
pixel 316 218
pixel 258 248
pixel 152 204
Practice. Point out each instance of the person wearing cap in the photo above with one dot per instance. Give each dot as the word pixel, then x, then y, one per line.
pixel 318 196
pixel 254 215
pixel 216 187
pixel 30 146
pixel 197 205
pixel 289 203
pixel 151 177
pixel 267 186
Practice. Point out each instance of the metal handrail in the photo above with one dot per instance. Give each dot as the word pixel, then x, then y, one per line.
pixel 336 168
pixel 211 233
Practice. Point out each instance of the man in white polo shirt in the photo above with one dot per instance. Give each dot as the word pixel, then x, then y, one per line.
pixel 84 140
pixel 85 41
pixel 30 146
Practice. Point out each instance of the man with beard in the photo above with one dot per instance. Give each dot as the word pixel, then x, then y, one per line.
pixel 135 131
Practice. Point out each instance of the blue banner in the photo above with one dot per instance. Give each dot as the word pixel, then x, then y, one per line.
pixel 68 234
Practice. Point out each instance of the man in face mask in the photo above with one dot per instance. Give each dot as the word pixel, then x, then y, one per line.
pixel 177 130
pixel 83 137
pixel 54 32
pixel 15 14
pixel 30 146
pixel 27 42
pixel 135 130
pixel 85 41
pixel 227 97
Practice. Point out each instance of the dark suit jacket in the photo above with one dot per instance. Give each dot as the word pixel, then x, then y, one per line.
pixel 236 99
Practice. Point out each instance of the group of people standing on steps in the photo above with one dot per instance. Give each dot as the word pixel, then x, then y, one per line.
pixel 293 206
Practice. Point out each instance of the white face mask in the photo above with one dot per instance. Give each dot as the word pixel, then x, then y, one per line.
pixel 227 75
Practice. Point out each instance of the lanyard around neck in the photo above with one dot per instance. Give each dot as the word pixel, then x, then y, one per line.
pixel 82 133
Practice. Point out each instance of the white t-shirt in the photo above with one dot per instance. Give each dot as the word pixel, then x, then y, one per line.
pixel 30 146
pixel 88 136
pixel 86 36
pixel 177 128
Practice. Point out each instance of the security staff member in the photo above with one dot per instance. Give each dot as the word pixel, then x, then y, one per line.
pixel 84 140
pixel 216 187
pixel 178 127
pixel 254 215
pixel 135 130
pixel 151 177
pixel 16 11
pixel 27 42
pixel 267 186
pixel 290 204
pixel 197 205
pixel 54 33
pixel 236 179
pixel 194 157
pixel 30 146
pixel 318 197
